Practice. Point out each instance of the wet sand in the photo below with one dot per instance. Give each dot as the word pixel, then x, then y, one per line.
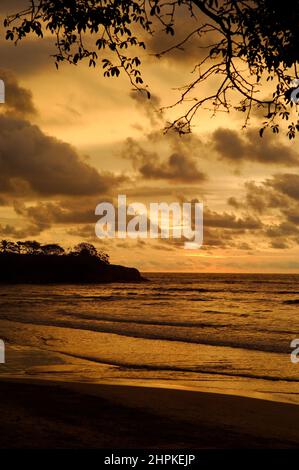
pixel 44 414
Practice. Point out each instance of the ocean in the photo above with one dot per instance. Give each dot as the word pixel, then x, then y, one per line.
pixel 223 333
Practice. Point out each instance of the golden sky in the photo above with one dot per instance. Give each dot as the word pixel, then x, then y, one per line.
pixel 70 139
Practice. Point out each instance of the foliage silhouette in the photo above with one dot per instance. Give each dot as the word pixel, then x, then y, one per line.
pixel 252 42
pixel 31 262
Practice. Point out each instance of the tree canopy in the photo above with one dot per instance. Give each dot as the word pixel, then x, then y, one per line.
pixel 32 247
pixel 249 63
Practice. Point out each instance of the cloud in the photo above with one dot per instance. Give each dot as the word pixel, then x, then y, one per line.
pixel 28 56
pixel 47 165
pixel 85 232
pixel 284 229
pixel 7 7
pixel 292 215
pixel 177 168
pixel 225 230
pixel 162 156
pixel 215 238
pixel 275 198
pixel 233 202
pixel 287 184
pixel 279 244
pixel 4 202
pixel 29 230
pixel 76 215
pixel 59 212
pixel 150 107
pixel 282 235
pixel 39 51
pixel 261 198
pixel 231 221
pixel 17 99
pixel 40 168
pixel 239 147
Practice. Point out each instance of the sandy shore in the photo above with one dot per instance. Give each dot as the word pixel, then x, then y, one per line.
pixel 45 414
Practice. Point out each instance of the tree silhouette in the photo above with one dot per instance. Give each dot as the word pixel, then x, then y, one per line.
pixel 32 247
pixel 87 249
pixel 8 247
pixel 252 42
pixel 103 257
pixel 31 262
pixel 52 249
pixel 22 247
pixel 84 249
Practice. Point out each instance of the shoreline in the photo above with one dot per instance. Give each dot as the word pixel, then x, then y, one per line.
pixel 43 413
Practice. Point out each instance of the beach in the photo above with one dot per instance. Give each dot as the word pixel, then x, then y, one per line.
pixel 45 414
pixel 193 361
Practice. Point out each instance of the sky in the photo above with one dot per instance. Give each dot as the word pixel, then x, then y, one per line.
pixel 70 139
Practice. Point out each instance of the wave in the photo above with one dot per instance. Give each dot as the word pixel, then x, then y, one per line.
pixel 143 321
pixel 164 367
pixel 184 289
pixel 286 292
pixel 186 324
pixel 165 336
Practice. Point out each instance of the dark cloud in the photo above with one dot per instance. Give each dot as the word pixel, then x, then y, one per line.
pixel 48 165
pixel 8 7
pixel 261 198
pixel 282 230
pixel 29 230
pixel 228 144
pixel 17 99
pixel 4 201
pixel 279 244
pixel 59 212
pixel 216 238
pixel 277 199
pixel 178 167
pixel 77 213
pixel 225 230
pixel 287 184
pixel 85 232
pixel 233 202
pixel 150 106
pixel 155 193
pixel 29 56
pixel 231 221
pixel 238 147
pixel 244 246
pixel 292 215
